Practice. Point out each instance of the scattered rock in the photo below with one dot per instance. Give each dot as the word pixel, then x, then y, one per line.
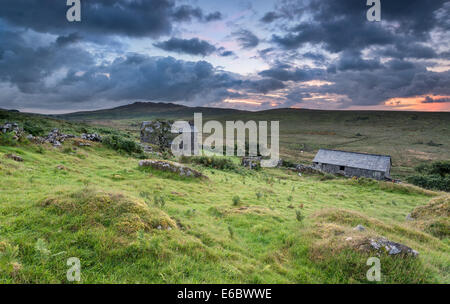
pixel 171 167
pixel 359 228
pixel 384 245
pixel 91 137
pixel 56 138
pixel 147 148
pixel 280 163
pixel 251 162
pixel 349 238
pixel 14 157
pixel 12 127
pixel 305 169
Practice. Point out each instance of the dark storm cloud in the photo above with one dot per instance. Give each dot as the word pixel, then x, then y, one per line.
pixel 54 79
pixel 192 46
pixel 351 60
pixel 264 85
pixel 65 40
pixel 246 39
pixel 282 73
pixel 25 65
pixel 163 79
pixel 329 18
pixel 133 18
pixel 428 99
pixel 396 78
pixel 408 50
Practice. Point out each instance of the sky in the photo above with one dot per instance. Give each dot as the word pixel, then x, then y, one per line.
pixel 252 55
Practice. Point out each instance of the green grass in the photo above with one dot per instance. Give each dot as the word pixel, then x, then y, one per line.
pixel 129 225
pixel 101 208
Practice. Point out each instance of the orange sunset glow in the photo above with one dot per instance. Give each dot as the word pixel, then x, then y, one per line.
pixel 417 103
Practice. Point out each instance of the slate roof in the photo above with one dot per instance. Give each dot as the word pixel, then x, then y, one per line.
pixel 355 160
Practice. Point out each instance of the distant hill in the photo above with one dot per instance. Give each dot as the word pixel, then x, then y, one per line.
pixel 146 110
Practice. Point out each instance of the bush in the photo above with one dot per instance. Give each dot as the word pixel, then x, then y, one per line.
pixel 299 216
pixel 215 162
pixel 7 139
pixel 327 176
pixel 120 143
pixel 33 129
pixel 288 164
pixel 432 182
pixel 434 176
pixel 236 200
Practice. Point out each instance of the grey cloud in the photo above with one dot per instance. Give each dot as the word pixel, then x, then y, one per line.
pixel 351 60
pixel 428 99
pixel 246 39
pixel 152 18
pixel 192 46
pixel 283 74
pixel 269 17
pixel 65 40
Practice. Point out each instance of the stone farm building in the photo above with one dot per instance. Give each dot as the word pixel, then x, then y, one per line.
pixel 353 164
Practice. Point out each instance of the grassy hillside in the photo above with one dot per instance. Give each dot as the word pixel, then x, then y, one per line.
pixel 146 110
pixel 411 138
pixel 96 204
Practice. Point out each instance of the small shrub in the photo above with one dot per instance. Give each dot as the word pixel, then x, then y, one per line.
pixel 119 143
pixel 7 139
pixel 236 200
pixel 299 216
pixel 33 129
pixel 434 176
pixel 327 176
pixel 259 195
pixel 215 162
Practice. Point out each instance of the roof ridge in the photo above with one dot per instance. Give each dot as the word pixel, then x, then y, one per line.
pixel 355 152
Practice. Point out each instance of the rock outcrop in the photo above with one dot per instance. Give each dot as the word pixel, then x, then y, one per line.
pixel 56 138
pixel 171 167
pixel 383 245
pixel 14 157
pixel 158 133
pixel 91 137
pixel 12 127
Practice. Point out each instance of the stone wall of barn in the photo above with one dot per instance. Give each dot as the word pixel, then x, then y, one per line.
pixel 350 172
